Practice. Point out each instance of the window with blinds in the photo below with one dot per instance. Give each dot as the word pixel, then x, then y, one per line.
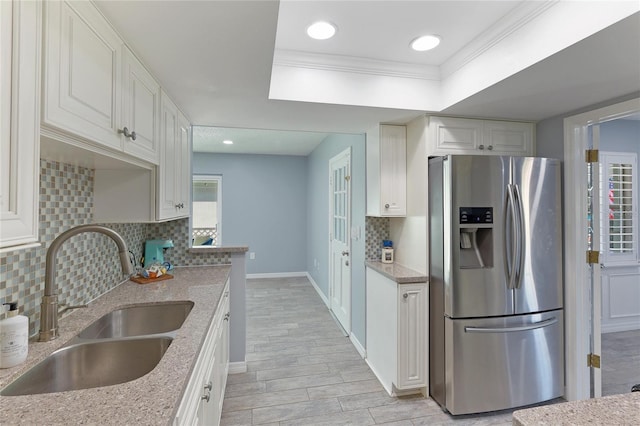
pixel 619 207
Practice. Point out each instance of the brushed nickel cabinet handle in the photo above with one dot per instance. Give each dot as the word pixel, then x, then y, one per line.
pixel 127 134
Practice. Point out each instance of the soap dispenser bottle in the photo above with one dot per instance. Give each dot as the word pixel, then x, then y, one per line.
pixel 14 337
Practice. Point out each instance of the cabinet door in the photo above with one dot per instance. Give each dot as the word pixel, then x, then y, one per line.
pixel 508 138
pixel 20 35
pixel 412 336
pixel 82 72
pixel 140 109
pixel 184 173
pixel 393 170
pixel 455 136
pixel 168 191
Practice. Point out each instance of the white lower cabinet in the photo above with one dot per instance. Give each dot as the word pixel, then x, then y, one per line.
pixel 397 333
pixel 202 400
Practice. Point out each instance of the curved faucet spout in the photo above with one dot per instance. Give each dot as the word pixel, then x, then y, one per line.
pixel 49 305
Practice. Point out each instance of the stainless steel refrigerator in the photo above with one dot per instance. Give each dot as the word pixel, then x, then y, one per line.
pixel 495 282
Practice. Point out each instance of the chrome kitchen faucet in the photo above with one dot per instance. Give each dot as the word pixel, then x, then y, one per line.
pixel 49 305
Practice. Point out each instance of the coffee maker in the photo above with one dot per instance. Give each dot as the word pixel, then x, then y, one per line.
pixel 154 251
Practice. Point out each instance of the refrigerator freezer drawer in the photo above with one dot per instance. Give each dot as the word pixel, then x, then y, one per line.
pixel 505 362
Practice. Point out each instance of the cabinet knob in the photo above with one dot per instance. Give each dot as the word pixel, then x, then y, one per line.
pixel 208 386
pixel 180 206
pixel 405 295
pixel 386 206
pixel 480 147
pixel 345 253
pixel 206 397
pixel 490 147
pixel 226 317
pixel 127 134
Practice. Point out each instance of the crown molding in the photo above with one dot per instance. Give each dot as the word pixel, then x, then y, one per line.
pixel 352 64
pixel 517 18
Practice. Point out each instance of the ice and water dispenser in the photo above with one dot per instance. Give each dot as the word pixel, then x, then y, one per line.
pixel 476 237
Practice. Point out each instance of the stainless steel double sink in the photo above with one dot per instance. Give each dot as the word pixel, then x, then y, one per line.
pixel 120 346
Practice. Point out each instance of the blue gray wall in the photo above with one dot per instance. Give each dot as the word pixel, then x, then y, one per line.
pixel 318 221
pixel 264 206
pixel 550 132
pixel 620 136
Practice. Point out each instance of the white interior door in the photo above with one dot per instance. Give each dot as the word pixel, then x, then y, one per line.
pixel 340 241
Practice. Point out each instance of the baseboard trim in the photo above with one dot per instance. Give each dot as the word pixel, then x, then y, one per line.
pixel 621 326
pixel 278 275
pixel 356 343
pixel 237 367
pixel 320 293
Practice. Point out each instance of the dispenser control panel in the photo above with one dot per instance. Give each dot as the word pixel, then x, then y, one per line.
pixel 470 215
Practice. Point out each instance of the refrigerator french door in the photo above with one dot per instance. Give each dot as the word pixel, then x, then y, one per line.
pixel 496 323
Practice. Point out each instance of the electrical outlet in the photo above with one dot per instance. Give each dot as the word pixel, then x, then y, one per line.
pixel 252 255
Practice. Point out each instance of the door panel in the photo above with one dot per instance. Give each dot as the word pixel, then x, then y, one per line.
pixel 538 184
pixel 475 289
pixel 500 363
pixel 340 245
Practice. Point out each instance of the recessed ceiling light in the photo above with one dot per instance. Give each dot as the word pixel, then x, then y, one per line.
pixel 426 42
pixel 227 142
pixel 321 30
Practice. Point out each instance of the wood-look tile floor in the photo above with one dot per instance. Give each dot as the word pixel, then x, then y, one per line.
pixel 620 361
pixel 301 370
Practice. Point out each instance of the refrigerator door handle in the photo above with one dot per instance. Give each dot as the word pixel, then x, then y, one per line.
pixel 533 326
pixel 520 237
pixel 511 256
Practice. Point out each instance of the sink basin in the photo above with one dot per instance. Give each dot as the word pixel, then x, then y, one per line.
pixel 90 365
pixel 139 320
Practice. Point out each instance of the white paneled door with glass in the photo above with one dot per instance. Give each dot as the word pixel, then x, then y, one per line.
pixel 340 241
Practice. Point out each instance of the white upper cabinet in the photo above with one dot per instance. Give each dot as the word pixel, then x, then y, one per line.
pixel 82 73
pixel 184 175
pixel 20 40
pixel 448 135
pixel 387 171
pixel 140 109
pixel 174 172
pixel 94 87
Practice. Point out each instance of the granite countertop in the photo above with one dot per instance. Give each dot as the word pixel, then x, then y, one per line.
pixel 398 273
pixel 621 409
pixel 150 400
pixel 212 249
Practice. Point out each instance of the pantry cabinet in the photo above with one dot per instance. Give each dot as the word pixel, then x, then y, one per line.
pixel 449 135
pixel 20 43
pixel 201 403
pixel 386 153
pixel 94 87
pixel 397 333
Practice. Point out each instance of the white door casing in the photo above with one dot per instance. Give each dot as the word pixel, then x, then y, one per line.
pixel 596 281
pixel 577 273
pixel 340 238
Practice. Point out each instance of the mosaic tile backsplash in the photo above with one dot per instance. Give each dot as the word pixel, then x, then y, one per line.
pixel 377 229
pixel 87 264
